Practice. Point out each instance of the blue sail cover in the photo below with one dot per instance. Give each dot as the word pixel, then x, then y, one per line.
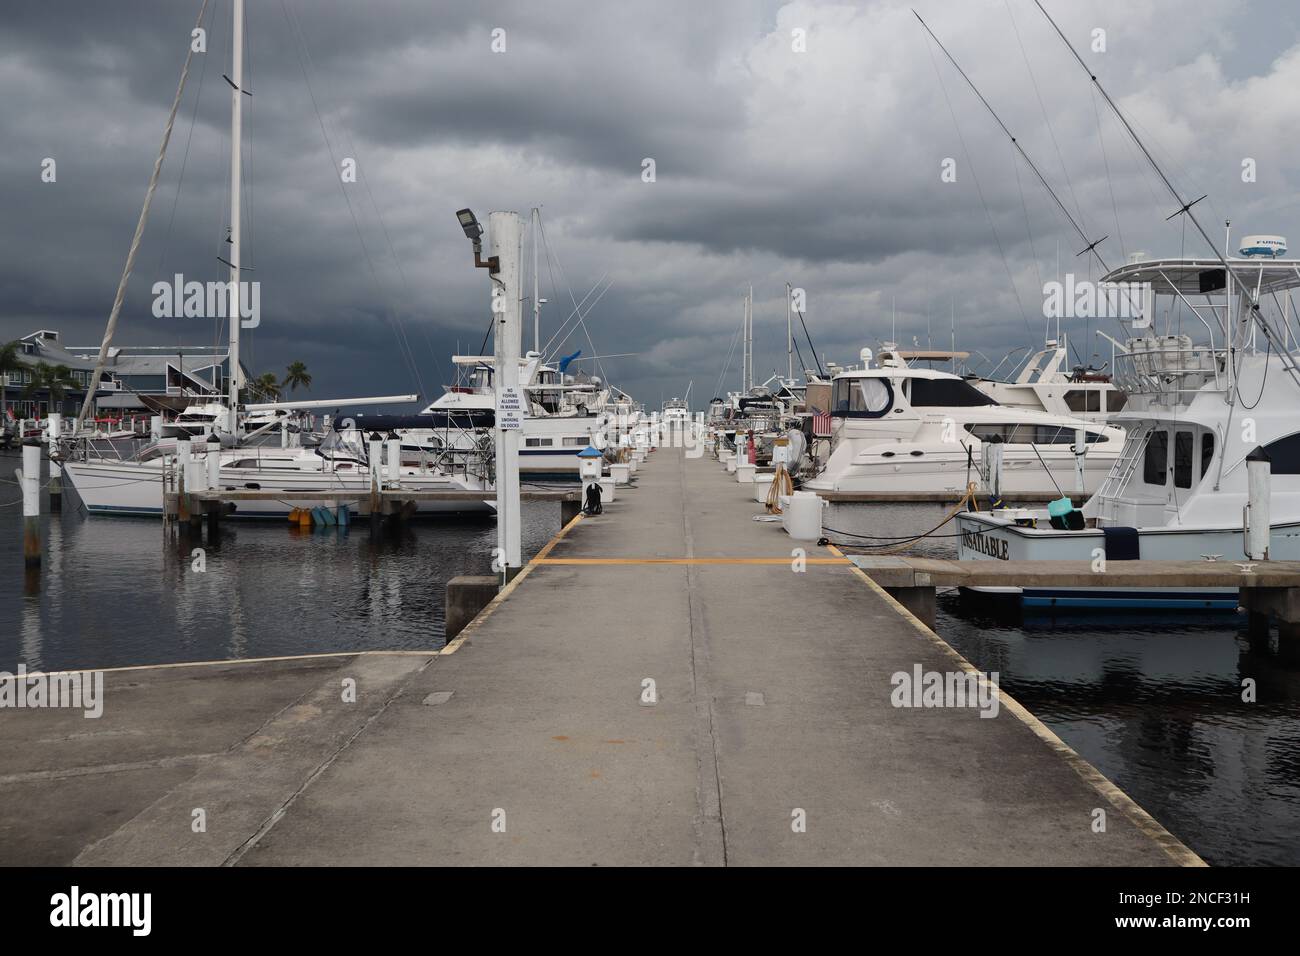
pixel 469 419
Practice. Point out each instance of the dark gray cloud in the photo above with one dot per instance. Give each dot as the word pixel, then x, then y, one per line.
pixel 819 168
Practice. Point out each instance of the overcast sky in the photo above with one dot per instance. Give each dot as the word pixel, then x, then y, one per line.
pixel 820 168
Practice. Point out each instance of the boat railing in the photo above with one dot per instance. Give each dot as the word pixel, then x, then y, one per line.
pixel 1169 368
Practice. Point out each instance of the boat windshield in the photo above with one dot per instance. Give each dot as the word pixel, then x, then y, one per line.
pixel 945 392
pixel 1035 434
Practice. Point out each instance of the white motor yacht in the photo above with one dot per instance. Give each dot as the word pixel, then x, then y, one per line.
pixel 905 429
pixel 565 416
pixel 197 420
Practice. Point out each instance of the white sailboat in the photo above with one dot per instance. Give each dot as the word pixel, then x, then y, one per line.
pixel 135 486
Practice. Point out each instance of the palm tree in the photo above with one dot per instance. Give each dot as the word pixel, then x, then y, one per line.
pixel 296 374
pixel 53 380
pixel 9 363
pixel 266 385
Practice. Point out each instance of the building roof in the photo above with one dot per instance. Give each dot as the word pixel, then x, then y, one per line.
pixel 49 350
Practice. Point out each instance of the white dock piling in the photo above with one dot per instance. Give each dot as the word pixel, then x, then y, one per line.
pixel 394 459
pixel 213 462
pixel 52 433
pixel 992 450
pixel 376 449
pixel 183 457
pixel 30 478
pixel 1257 520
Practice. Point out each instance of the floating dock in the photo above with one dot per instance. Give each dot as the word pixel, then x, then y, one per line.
pixel 669 683
pixel 1266 590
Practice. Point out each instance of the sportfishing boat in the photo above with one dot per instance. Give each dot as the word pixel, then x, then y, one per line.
pixel 674 420
pixel 197 420
pixel 895 427
pixel 1194 413
pixel 565 416
pixel 1046 382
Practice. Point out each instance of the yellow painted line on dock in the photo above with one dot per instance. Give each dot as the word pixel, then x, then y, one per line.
pixel 217 663
pixel 1174 848
pixel 642 561
pixel 509 589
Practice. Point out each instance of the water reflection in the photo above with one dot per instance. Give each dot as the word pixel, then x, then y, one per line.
pixel 119 591
pixel 1156 703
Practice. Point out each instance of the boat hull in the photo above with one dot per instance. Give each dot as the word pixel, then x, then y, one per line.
pixel 119 488
pixel 985 538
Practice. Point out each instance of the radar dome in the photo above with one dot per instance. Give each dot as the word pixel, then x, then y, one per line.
pixel 1269 247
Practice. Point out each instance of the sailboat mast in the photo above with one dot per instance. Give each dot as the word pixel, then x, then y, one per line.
pixel 749 340
pixel 236 154
pixel 537 303
pixel 952 325
pixel 789 335
pixel 744 324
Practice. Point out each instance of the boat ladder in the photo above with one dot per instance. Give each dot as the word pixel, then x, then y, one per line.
pixel 1121 472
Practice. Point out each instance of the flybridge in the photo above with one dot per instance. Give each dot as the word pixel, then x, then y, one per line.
pixel 1200 276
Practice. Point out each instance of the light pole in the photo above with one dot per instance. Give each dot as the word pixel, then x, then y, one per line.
pixel 511 407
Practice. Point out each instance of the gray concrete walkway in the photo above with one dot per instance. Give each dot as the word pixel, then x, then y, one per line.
pixel 531 743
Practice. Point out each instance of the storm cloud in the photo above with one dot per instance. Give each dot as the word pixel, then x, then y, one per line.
pixel 818 167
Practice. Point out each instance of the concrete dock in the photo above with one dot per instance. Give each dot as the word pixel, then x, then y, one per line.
pixel 766 737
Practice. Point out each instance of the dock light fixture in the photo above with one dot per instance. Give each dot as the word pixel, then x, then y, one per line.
pixel 469 222
pixel 474 233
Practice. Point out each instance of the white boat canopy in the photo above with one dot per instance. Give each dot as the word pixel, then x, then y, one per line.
pixel 1198 276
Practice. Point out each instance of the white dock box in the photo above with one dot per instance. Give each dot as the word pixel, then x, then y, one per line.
pixel 802 515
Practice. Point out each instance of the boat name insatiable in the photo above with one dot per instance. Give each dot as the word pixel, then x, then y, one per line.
pixel 985 544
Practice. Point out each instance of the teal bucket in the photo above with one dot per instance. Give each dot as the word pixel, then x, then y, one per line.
pixel 1060 507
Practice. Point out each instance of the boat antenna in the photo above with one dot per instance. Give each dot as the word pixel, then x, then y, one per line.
pixel 1184 208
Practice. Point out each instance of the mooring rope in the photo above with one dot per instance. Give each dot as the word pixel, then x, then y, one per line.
pixel 967 498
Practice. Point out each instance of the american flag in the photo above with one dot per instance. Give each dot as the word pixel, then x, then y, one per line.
pixel 821 424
